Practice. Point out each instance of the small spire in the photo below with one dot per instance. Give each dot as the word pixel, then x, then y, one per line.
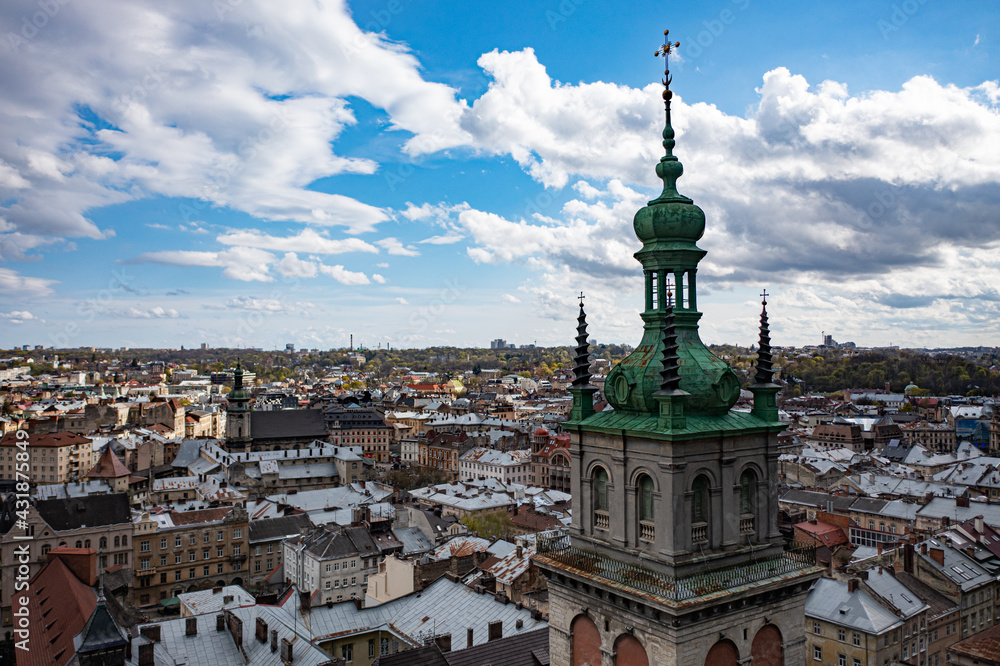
pixel 669 169
pixel 581 358
pixel 670 375
pixel 765 370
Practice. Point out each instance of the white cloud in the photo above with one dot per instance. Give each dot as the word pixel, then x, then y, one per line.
pixel 394 246
pixel 237 112
pixel 14 285
pixel 307 240
pixel 155 312
pixel 445 239
pixel 378 278
pixel 402 301
pixel 510 298
pixel 240 263
pixel 18 316
pixel 291 266
pixel 344 276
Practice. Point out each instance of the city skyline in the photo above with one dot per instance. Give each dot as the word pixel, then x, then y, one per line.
pixel 244 174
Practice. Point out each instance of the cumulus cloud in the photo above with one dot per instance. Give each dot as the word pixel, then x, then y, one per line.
pixel 394 246
pixel 510 298
pixel 344 276
pixel 240 263
pixel 18 316
pixel 235 111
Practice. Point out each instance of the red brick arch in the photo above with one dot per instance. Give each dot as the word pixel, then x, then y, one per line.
pixel 629 652
pixel 723 653
pixel 766 649
pixel 586 647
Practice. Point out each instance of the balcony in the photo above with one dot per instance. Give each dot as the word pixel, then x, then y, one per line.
pixel 557 553
pixel 699 533
pixel 746 523
pixel 602 520
pixel 238 557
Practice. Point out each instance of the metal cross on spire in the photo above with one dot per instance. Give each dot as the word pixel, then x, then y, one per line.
pixel 665 50
pixel 763 297
pixel 581 299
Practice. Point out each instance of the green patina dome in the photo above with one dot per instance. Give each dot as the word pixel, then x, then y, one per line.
pixel 669 227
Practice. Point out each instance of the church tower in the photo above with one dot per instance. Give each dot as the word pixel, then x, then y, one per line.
pixel 238 434
pixel 674 555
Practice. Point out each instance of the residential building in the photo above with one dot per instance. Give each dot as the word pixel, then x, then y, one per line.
pixel 99 522
pixel 847 626
pixel 52 458
pixel 266 536
pixel 331 564
pixel 352 425
pixel 184 551
pixel 505 466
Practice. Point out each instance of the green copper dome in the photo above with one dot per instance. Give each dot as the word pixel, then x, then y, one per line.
pixel 669 227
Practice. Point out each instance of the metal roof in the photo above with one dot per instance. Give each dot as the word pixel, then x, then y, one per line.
pixel 829 600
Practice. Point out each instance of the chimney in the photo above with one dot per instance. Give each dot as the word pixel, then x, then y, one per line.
pixel 937 554
pixel 146 657
pixel 151 631
pixel 286 651
pixel 274 640
pixel 191 626
pixel 82 564
pixel 980 526
pixel 520 552
pixel 227 599
pixel 220 622
pixel 852 586
pixel 495 630
pixel 923 549
pixel 468 637
pixel 863 575
pixel 443 641
pixel 216 590
pixel 261 630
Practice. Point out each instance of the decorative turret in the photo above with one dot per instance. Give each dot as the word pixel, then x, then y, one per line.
pixel 669 228
pixel 764 389
pixel 581 389
pixel 670 396
pixel 238 412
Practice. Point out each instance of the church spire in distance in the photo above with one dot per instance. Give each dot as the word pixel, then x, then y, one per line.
pixel 581 388
pixel 765 369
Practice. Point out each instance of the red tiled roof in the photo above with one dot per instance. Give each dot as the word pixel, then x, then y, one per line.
pixel 985 645
pixel 60 605
pixel 108 467
pixel 825 533
pixel 199 516
pixel 54 439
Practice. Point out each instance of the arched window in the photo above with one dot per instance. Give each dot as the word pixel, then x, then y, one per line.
pixel 748 501
pixel 748 491
pixel 645 498
pixel 86 543
pixel 699 509
pixel 104 542
pixel 601 518
pixel 124 540
pixel 79 544
pixel 118 542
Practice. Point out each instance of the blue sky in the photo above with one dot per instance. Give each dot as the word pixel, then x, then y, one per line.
pixel 254 173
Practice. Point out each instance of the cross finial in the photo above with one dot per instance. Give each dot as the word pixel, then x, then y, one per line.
pixel 581 299
pixel 670 293
pixel 763 296
pixel 665 50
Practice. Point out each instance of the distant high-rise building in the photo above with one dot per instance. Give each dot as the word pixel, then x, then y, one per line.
pixel 290 347
pixel 499 343
pixel 204 345
pixel 674 555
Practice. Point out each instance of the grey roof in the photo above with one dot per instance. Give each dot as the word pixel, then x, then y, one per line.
pixel 817 499
pixel 307 471
pixel 89 511
pixel 212 601
pixel 413 540
pixel 892 591
pixel 270 529
pixel 218 648
pixel 941 507
pixel 285 424
pixel 829 600
pixel 441 608
pixel 188 452
pixel 101 632
pixel 960 569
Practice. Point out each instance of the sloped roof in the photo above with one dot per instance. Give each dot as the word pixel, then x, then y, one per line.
pixel 985 645
pixel 830 600
pixel 270 529
pixel 101 632
pixel 90 511
pixel 285 424
pixel 108 467
pixel 61 604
